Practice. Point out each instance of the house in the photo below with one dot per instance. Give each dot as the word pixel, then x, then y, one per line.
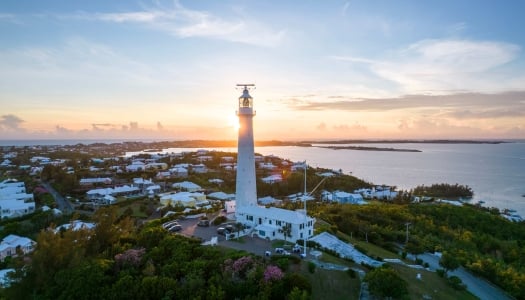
pixel 272 223
pixel 125 190
pixel 136 166
pixel 186 186
pixel 267 166
pixel 15 208
pixel 343 197
pixel 179 171
pixel 13 244
pixel 273 179
pixel 93 181
pixel 221 196
pixel 14 201
pixel 216 181
pixel 298 166
pixel 5 281
pixel 142 183
pixel 268 200
pixel 75 225
pixel 163 174
pixel 186 199
pixel 204 158
pixel 200 168
pixel 156 166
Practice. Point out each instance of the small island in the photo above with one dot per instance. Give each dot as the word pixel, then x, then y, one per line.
pixel 368 148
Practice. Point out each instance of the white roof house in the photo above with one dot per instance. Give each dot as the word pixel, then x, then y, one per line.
pixel 5 281
pixel 343 197
pixel 75 225
pixel 273 179
pixel 136 166
pixel 187 186
pixel 269 222
pixel 90 181
pixel 269 200
pixel 14 201
pixel 221 196
pixel 186 199
pixel 12 242
pixel 116 191
pixel 179 171
pixel 216 181
pixel 199 168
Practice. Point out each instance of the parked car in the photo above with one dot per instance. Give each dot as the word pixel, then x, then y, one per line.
pixel 175 228
pixel 221 231
pixel 204 223
pixel 169 224
pixel 281 251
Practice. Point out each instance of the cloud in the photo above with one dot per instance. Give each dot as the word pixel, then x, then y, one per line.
pixel 10 122
pixel 465 105
pixel 344 10
pixel 183 22
pixel 444 66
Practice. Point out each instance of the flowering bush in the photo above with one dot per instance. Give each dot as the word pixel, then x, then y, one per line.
pixel 130 257
pixel 272 273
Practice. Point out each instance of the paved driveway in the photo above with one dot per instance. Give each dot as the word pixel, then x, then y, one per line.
pixel 250 244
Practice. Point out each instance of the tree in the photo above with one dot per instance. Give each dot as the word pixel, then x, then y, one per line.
pixel 449 262
pixel 415 247
pixel 286 230
pixel 385 282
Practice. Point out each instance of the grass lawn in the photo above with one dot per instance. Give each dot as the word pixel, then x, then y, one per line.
pixel 430 284
pixel 135 206
pixel 329 284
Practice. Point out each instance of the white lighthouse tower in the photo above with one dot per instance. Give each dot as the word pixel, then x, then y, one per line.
pixel 246 190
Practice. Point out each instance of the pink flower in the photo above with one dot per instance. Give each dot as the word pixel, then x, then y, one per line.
pixel 272 273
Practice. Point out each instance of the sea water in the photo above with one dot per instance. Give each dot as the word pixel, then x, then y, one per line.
pixel 495 172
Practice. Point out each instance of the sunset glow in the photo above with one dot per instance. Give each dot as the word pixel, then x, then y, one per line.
pixel 323 70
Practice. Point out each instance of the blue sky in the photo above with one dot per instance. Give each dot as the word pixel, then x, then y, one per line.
pixel 323 69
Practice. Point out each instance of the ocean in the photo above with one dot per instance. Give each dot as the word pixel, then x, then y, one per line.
pixel 495 172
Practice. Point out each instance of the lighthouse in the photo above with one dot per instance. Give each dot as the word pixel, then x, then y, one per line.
pixel 246 190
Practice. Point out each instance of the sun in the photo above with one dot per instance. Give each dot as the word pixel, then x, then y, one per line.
pixel 233 121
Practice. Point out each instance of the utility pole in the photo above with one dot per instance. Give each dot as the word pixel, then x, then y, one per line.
pixel 407 224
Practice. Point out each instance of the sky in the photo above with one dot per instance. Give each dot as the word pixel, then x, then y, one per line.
pixel 168 70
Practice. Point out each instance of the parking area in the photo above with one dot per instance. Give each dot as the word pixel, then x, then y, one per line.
pixel 250 244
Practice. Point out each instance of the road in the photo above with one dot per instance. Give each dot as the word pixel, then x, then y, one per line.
pixel 62 203
pixel 477 286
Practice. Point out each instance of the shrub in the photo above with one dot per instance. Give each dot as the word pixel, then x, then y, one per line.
pixel 311 267
pixel 360 249
pixel 351 272
pixel 219 220
pixel 456 283
pixel 440 272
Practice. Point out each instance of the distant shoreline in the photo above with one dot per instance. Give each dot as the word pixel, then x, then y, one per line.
pixel 156 144
pixel 440 141
pixel 361 148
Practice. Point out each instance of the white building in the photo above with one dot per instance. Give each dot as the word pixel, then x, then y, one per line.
pixel 246 189
pixel 14 201
pixel 269 223
pixel 186 186
pixel 13 243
